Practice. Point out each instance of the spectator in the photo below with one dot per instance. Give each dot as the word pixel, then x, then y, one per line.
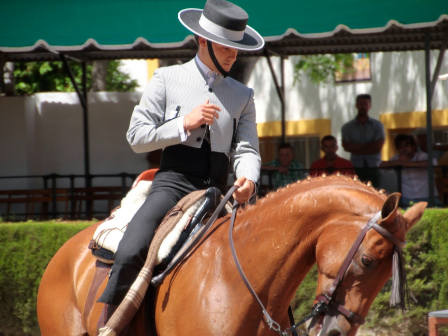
pixel 331 162
pixel 284 169
pixel 441 174
pixel 414 179
pixel 364 138
pixel 422 138
pixel 439 152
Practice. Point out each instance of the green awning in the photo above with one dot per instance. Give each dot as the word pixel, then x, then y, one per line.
pixel 98 29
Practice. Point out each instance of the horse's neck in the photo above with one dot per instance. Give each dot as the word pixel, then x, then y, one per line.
pixel 275 242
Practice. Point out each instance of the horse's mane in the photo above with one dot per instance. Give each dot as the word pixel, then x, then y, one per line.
pixel 319 183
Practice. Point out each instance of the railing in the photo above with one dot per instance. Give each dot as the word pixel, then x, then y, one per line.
pixel 62 197
pixel 384 179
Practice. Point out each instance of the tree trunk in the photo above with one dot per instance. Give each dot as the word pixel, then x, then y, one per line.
pixel 99 72
pixel 8 79
pixel 2 80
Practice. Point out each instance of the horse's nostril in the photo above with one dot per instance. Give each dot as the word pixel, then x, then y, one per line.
pixel 334 333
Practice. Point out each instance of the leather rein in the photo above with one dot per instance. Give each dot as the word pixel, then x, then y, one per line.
pixel 326 301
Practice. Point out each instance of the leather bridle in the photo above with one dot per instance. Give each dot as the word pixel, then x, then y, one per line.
pixel 329 298
pixel 325 301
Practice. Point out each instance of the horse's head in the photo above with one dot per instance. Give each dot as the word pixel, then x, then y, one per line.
pixel 366 272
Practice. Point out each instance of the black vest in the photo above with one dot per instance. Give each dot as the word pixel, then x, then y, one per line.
pixel 197 162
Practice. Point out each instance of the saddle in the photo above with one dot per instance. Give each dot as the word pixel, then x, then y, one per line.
pixel 180 228
pixel 108 235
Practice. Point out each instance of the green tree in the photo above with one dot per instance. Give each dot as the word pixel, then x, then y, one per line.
pixel 32 77
pixel 323 68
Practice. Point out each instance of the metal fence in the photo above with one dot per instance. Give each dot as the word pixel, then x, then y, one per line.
pixel 74 197
pixel 71 196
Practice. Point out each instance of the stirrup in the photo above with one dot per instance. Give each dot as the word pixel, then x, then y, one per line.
pixel 211 202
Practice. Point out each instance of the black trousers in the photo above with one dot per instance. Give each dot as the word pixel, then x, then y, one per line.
pixel 167 189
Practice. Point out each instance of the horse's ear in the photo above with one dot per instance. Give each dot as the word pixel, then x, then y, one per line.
pixel 388 212
pixel 414 214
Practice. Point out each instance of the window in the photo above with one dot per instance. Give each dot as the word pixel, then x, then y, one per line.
pixel 360 72
pixel 440 136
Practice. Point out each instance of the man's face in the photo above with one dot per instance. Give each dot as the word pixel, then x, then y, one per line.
pixel 406 148
pixel 226 56
pixel 329 147
pixel 285 156
pixel 421 141
pixel 363 105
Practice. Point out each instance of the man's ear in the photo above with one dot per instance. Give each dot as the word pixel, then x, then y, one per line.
pixel 202 41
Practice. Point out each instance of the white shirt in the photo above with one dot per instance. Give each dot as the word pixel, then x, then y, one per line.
pixel 209 73
pixel 414 181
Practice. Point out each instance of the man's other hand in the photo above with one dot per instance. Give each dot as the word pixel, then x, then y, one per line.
pixel 245 190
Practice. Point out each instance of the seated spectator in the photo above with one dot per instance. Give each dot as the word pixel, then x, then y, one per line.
pixel 414 179
pixel 285 169
pixel 331 162
pixel 441 174
pixel 437 149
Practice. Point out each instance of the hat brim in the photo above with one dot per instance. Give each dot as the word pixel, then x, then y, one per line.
pixel 190 19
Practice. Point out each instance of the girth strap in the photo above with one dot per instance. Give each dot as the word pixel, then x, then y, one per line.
pixel 101 273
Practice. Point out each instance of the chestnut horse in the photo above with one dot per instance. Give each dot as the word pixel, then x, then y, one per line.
pixel 277 240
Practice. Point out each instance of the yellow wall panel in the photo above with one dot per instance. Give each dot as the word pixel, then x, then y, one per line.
pixel 152 65
pixel 321 127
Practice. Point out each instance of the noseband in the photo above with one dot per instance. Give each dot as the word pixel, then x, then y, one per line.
pixel 327 301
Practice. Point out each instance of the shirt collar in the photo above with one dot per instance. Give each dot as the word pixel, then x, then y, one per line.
pixel 205 69
pixel 369 120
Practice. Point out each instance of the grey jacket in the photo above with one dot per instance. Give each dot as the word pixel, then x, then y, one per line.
pixel 174 92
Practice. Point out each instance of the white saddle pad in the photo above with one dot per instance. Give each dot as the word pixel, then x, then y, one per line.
pixel 109 233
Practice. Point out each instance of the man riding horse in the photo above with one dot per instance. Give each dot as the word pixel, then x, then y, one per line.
pixel 198 115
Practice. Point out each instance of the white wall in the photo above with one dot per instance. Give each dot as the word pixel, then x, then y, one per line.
pixel 397 85
pixel 43 134
pixel 138 70
pixel 13 159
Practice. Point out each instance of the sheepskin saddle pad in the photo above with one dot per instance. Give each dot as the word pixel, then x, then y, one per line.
pixel 109 233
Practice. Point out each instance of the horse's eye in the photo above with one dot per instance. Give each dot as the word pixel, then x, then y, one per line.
pixel 366 261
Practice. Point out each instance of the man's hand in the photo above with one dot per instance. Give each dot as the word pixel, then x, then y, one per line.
pixel 404 159
pixel 202 114
pixel 283 170
pixel 242 194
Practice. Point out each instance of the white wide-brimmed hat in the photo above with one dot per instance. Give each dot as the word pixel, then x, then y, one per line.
pixel 224 23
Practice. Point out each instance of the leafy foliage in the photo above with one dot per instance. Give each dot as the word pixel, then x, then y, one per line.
pixel 25 251
pixel 32 77
pixel 322 68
